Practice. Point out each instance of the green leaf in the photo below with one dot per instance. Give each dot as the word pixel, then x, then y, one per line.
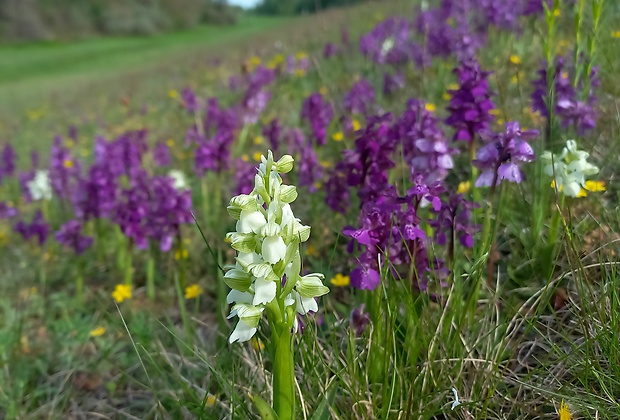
pixel 264 409
pixel 322 411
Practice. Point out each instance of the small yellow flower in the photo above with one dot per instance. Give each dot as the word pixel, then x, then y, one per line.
pixel 97 332
pixel 515 59
pixel 257 156
pixel 85 152
pixel 257 343
pixel 311 250
pixel 595 186
pixel 67 163
pixel 300 55
pixel 170 142
pixel 514 80
pixel 494 111
pixel 323 90
pixel 561 186
pixel 557 12
pixel 121 293
pixel 340 280
pixel 356 125
pixel 453 86
pixel 564 412
pixel 181 254
pixel 615 34
pixel 446 96
pixel 253 62
pixel 564 75
pixel 430 107
pixel 193 291
pixel 258 140
pixel 173 94
pixel 338 136
pixel 317 185
pixel 463 187
pixel 210 401
pixel 500 121
pixel 300 72
pixel 69 143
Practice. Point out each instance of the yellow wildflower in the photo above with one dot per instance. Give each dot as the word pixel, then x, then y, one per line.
pixel 356 125
pixel 323 90
pixel 254 61
pixel 69 143
pixel 180 254
pixel 338 136
pixel 557 12
pixel 564 412
pixel 595 186
pixel 85 152
pixel 121 292
pixel 463 187
pixel 210 401
pixel 193 291
pixel 515 59
pixel 300 55
pixel 615 34
pixel 170 142
pixel 173 94
pixel 430 107
pixel 311 250
pixel 446 96
pixel 300 72
pixel 97 332
pixel 245 158
pixel 258 140
pixel 494 111
pixel 257 156
pixel 257 343
pixel 453 86
pixel 67 163
pixel 340 280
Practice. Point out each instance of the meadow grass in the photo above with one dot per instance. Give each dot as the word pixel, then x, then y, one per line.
pixel 546 329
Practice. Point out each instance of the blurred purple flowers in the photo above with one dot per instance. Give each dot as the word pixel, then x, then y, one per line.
pixel 319 114
pixel 70 235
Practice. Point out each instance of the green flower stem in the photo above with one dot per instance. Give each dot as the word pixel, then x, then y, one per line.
pixel 129 264
pixel 181 299
pixel 79 281
pixel 284 377
pixel 204 189
pixel 150 275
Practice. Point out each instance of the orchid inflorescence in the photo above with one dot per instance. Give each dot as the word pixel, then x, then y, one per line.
pixel 266 275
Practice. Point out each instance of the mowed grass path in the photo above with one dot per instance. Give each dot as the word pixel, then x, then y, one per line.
pixel 33 71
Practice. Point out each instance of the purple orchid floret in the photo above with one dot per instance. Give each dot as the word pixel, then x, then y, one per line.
pixel 161 154
pixel 319 114
pixel 337 193
pixel 70 235
pixel 64 169
pixel 132 209
pixel 453 220
pixel 569 101
pixel 393 82
pixel 272 131
pixel 359 320
pixel 424 143
pixel 535 7
pixel 330 50
pixel 471 102
pixel 189 100
pixel 95 196
pixel 123 155
pixel 7 211
pixel 245 173
pixel 213 154
pixel 169 209
pixel 256 97
pixel 388 42
pixel 360 98
pixel 7 162
pixel 38 228
pixel 310 171
pixel 500 158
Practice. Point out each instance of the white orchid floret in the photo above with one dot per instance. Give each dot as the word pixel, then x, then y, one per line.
pixel 179 180
pixel 40 187
pixel 267 239
pixel 569 168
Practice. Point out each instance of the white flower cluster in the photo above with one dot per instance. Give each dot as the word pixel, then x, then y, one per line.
pixel 267 272
pixel 569 168
pixel 40 187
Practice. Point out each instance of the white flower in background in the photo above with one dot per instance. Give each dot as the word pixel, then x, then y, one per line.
pixel 179 179
pixel 40 187
pixel 267 240
pixel 569 169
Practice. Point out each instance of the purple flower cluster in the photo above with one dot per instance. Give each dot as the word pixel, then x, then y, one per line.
pixel 499 159
pixel 424 144
pixel 64 169
pixel 161 154
pixel 319 114
pixel 256 97
pixel 38 228
pixel 388 42
pixel 7 211
pixel 359 98
pixel 272 132
pixel 70 235
pixel 453 220
pixel 569 101
pixel 471 102
pixel 7 162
